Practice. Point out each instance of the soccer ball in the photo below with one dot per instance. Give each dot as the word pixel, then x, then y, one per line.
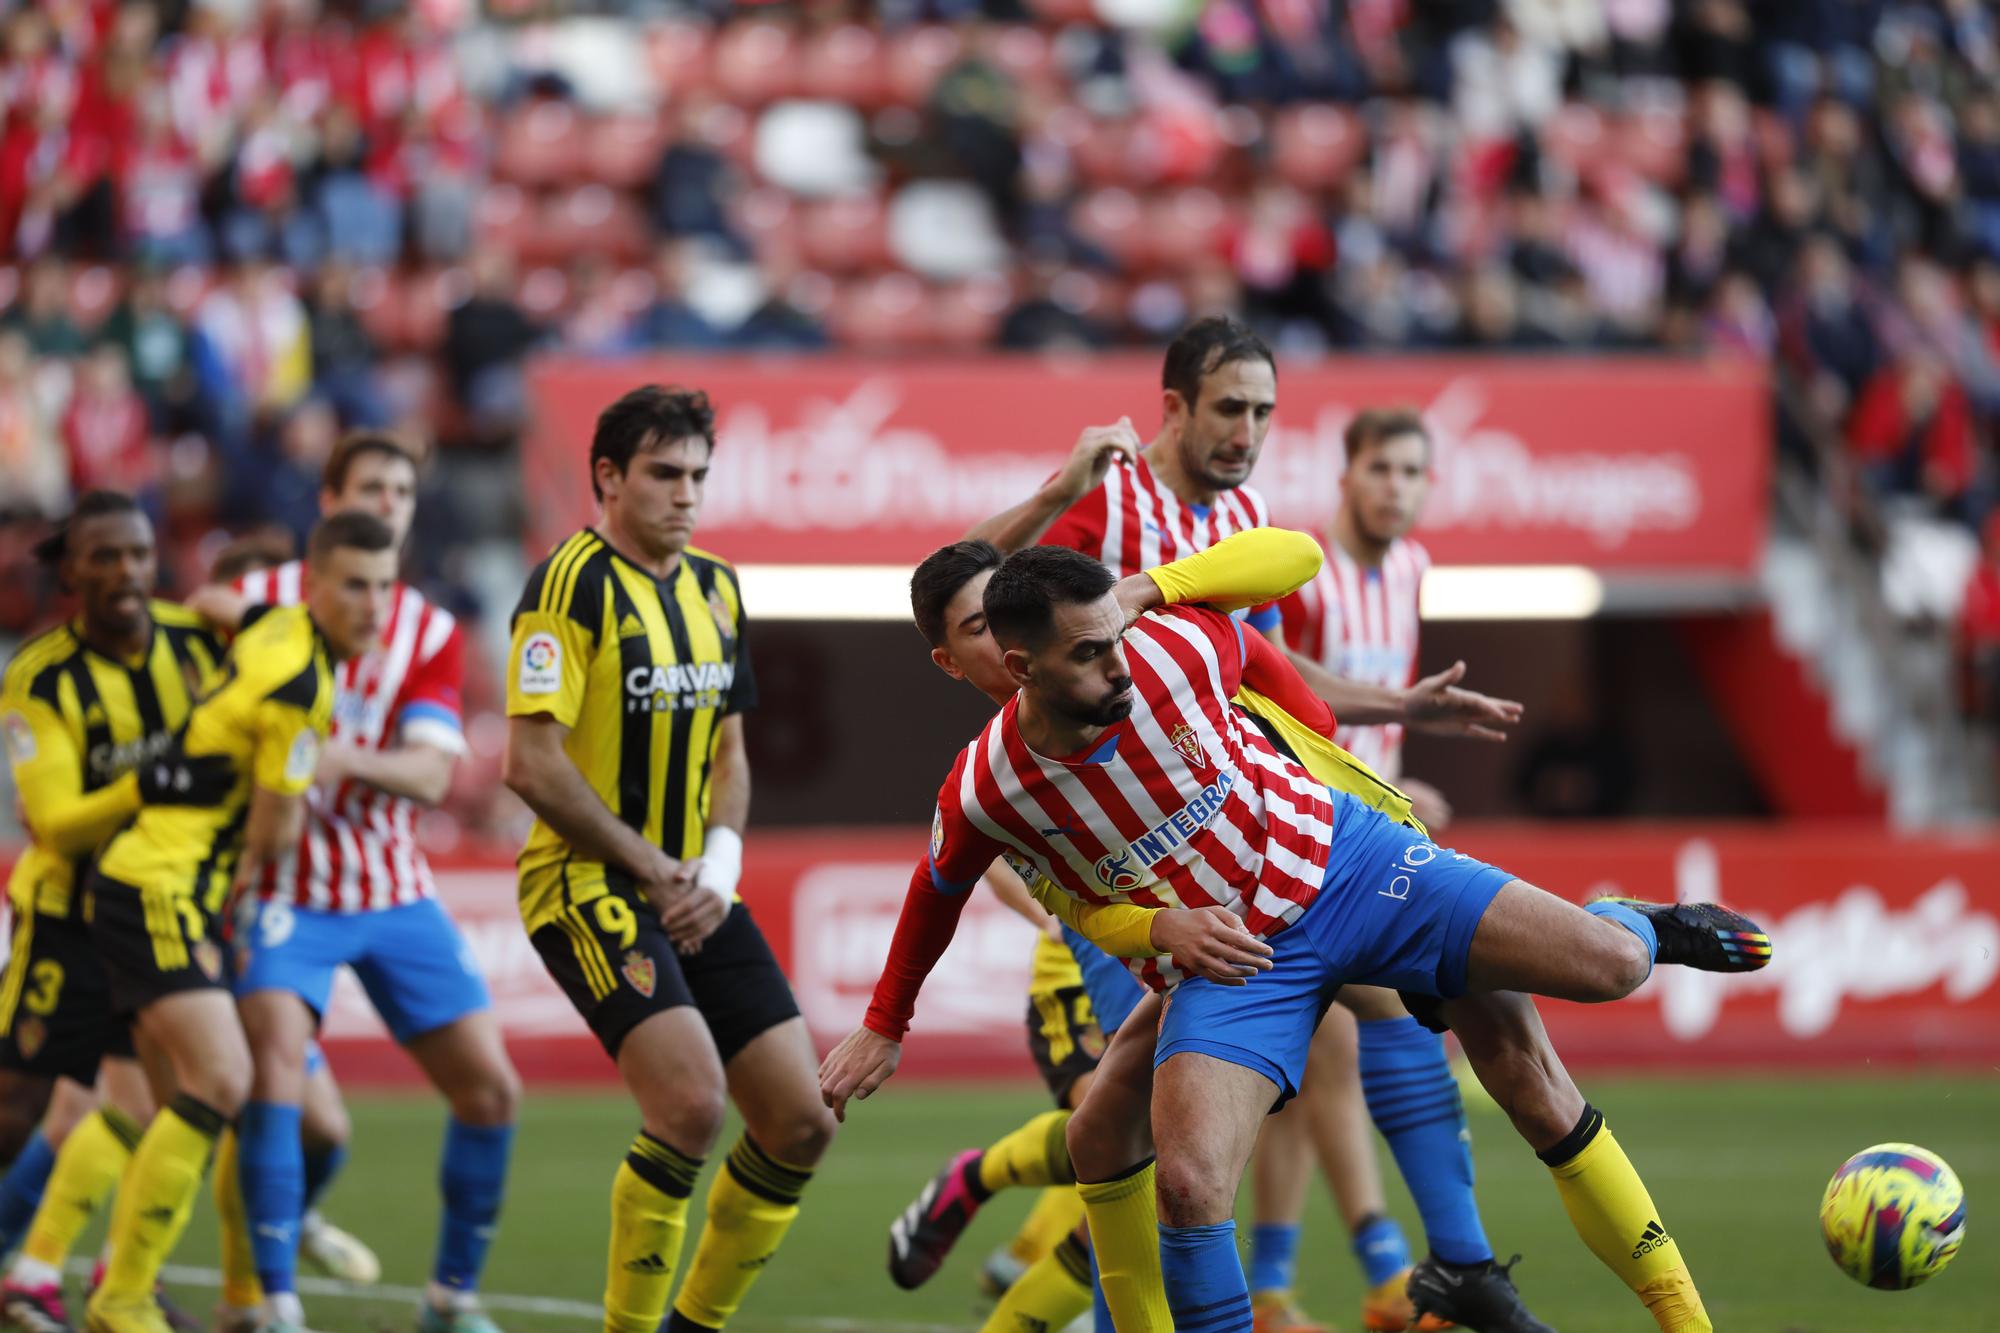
pixel 1893 1216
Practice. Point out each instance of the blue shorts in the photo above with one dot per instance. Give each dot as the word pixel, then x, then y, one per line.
pixel 1394 910
pixel 417 969
pixel 1114 992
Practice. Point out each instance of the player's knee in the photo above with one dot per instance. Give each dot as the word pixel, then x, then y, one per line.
pixel 1093 1153
pixel 222 1083
pixel 803 1138
pixel 1194 1189
pixel 489 1100
pixel 325 1124
pixel 690 1118
pixel 1622 965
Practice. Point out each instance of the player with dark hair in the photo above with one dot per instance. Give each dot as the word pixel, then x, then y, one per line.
pixel 88 711
pixel 246 754
pixel 356 891
pixel 629 676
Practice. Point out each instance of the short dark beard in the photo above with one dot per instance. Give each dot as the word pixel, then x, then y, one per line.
pixel 1107 714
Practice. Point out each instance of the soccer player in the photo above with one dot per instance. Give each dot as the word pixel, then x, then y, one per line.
pixel 1133 509
pixel 1161 792
pixel 88 711
pixel 355 891
pixel 629 677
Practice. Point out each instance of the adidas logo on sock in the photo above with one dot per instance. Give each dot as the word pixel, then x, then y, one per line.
pixel 652 1263
pixel 1652 1238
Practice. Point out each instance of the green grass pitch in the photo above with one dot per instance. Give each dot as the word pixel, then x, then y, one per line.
pixel 1736 1166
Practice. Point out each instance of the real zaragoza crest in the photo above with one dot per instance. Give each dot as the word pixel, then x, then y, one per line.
pixel 638 970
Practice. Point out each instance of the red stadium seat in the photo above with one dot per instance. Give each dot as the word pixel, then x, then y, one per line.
pixel 1114 220
pixel 1056 13
pixel 1315 147
pixel 881 313
pixel 623 151
pixel 678 55
pixel 634 289
pixel 377 300
pixel 846 64
pixel 967 314
pixel 429 297
pixel 1654 144
pixel 544 293
pixel 768 220
pixel 918 58
pixel 756 62
pixel 1183 226
pixel 502 219
pixel 591 219
pixel 1576 137
pixel 541 144
pixel 1027 55
pixel 1102 150
pixel 849 234
pixel 93 291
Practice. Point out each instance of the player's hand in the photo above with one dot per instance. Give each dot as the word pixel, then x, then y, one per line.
pixel 1438 705
pixel 695 912
pixel 1210 942
pixel 862 1062
pixel 1052 927
pixel 219 604
pixel 1095 450
pixel 1427 803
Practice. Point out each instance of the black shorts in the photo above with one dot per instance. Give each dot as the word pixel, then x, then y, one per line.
pixel 618 968
pixel 56 1017
pixel 153 944
pixel 1064 1038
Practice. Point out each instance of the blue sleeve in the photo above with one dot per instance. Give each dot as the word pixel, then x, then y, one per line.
pixel 1265 618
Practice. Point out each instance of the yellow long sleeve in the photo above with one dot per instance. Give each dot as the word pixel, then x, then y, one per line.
pixel 1120 929
pixel 1248 569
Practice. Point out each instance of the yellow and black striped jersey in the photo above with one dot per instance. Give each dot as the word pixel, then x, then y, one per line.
pixel 642 671
pixel 268 716
pixel 76 724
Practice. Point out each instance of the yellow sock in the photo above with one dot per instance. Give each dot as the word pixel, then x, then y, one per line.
pixel 1610 1209
pixel 649 1202
pixel 1054 1290
pixel 1056 1212
pixel 751 1205
pixel 240 1286
pixel 1035 1154
pixel 87 1168
pixel 1125 1229
pixel 157 1196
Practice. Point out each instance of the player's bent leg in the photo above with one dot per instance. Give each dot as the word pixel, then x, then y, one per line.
pixel 323 1136
pixel 1111 1146
pixel 198 1031
pixel 670 1066
pixel 1053 1291
pixel 466 1060
pixel 1036 1154
pixel 1280 1172
pixel 22 1187
pixel 270 1161
pixel 24 1097
pixel 1206 1114
pixel 1602 1192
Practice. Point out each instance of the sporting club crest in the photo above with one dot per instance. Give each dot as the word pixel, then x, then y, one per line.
pixel 1188 744
pixel 639 971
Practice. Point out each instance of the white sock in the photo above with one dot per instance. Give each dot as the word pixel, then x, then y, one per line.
pixel 310 1224
pixel 28 1272
pixel 448 1299
pixel 285 1307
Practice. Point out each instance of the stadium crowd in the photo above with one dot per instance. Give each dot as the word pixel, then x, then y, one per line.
pixel 231 228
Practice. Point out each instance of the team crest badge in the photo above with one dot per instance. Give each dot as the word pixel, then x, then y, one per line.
pixel 1188 744
pixel 638 970
pixel 937 833
pixel 30 1035
pixel 725 623
pixel 208 958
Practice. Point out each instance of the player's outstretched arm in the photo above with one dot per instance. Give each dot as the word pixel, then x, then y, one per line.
pixel 1082 472
pixel 1247 569
pixel 414 769
pixel 1022 901
pixel 220 605
pixel 1438 704
pixel 862 1062
pixel 538 769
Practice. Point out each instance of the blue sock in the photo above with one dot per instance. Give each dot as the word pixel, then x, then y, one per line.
pixel 1204 1279
pixel 1635 922
pixel 1274 1250
pixel 473 1176
pixel 1379 1245
pixel 1414 1102
pixel 271 1163
pixel 1100 1313
pixel 322 1165
pixel 21 1188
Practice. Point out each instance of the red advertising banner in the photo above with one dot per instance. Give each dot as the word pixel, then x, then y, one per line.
pixel 1887 950
pixel 1625 465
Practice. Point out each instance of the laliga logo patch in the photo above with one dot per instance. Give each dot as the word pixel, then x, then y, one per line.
pixel 1188 744
pixel 208 958
pixel 937 833
pixel 20 738
pixel 725 624
pixel 1115 872
pixel 638 970
pixel 541 664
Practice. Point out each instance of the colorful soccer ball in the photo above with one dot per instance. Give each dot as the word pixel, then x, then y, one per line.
pixel 1893 1216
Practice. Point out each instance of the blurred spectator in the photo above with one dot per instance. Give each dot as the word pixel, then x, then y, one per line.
pixel 1283 255
pixel 1979 627
pixel 778 323
pixel 105 429
pixel 597 323
pixel 692 185
pixel 1738 319
pixel 161 190
pixel 1050 313
pixel 1912 432
pixel 973 121
pixel 156 346
pixel 1831 341
pixel 362 219
pixel 280 484
pixel 42 317
pixel 252 349
pixel 669 321
pixel 31 462
pixel 345 357
pixel 484 341
pixel 1503 83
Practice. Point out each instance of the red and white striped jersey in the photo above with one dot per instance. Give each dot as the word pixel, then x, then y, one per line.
pixel 1182 804
pixel 359 850
pixel 1361 623
pixel 1134 521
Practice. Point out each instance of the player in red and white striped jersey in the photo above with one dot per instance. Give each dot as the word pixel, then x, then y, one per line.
pixel 357 892
pixel 1359 617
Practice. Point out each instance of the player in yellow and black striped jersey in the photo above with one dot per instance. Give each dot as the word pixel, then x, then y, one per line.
pixel 88 711
pixel 249 748
pixel 627 683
